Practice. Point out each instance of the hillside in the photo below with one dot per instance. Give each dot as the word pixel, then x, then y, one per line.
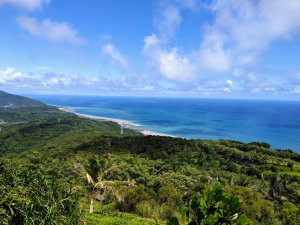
pixel 15 101
pixel 19 109
pixel 27 121
pixel 64 165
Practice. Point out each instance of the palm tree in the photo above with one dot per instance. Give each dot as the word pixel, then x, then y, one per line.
pixel 100 185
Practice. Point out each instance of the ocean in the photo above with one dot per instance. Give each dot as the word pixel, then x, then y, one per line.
pixel 274 122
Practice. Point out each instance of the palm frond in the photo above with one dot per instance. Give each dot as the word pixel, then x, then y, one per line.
pixel 84 173
pixel 89 178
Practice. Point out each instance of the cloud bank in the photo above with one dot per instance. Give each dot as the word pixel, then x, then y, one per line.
pixel 49 82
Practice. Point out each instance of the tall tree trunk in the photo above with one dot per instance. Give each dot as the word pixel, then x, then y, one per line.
pixel 92 205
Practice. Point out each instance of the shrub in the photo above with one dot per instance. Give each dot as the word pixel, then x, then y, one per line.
pixel 214 207
pixel 148 208
pixel 132 198
pixel 290 213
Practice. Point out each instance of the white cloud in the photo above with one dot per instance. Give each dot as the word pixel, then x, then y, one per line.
pixel 229 83
pixel 53 31
pixel 168 18
pixel 170 64
pixel 176 67
pixel 212 54
pixel 52 82
pixel 58 82
pixel 240 31
pixel 169 21
pixel 248 27
pixel 229 87
pixel 115 54
pixel 26 4
pixel 269 89
pixel 151 42
pixel 296 90
pixel 9 75
pixel 226 89
pixel 144 88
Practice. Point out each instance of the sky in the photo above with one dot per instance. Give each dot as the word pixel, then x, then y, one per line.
pixel 197 48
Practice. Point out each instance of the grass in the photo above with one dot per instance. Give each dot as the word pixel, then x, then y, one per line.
pixel 287 170
pixel 292 173
pixel 108 215
pixel 122 218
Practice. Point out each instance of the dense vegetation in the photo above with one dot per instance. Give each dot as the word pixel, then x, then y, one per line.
pixel 16 101
pixel 17 109
pixel 57 169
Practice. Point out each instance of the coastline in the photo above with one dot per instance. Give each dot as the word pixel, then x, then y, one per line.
pixel 121 122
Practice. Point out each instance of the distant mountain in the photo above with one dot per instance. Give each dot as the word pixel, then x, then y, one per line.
pixel 15 101
pixel 15 109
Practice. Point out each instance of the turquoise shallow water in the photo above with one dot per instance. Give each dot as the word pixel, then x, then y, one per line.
pixel 275 122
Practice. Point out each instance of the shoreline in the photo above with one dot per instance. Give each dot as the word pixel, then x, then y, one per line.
pixel 121 122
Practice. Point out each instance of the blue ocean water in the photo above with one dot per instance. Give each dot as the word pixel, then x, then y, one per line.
pixel 274 122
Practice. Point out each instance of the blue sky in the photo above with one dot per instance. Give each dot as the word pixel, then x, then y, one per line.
pixel 218 48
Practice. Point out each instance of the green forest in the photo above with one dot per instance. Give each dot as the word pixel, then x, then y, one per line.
pixel 58 168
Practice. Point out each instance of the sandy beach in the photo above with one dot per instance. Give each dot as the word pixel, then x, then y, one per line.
pixel 124 123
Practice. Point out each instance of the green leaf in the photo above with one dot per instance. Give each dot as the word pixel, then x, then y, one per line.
pixel 185 216
pixel 173 221
pixel 243 220
pixel 233 217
